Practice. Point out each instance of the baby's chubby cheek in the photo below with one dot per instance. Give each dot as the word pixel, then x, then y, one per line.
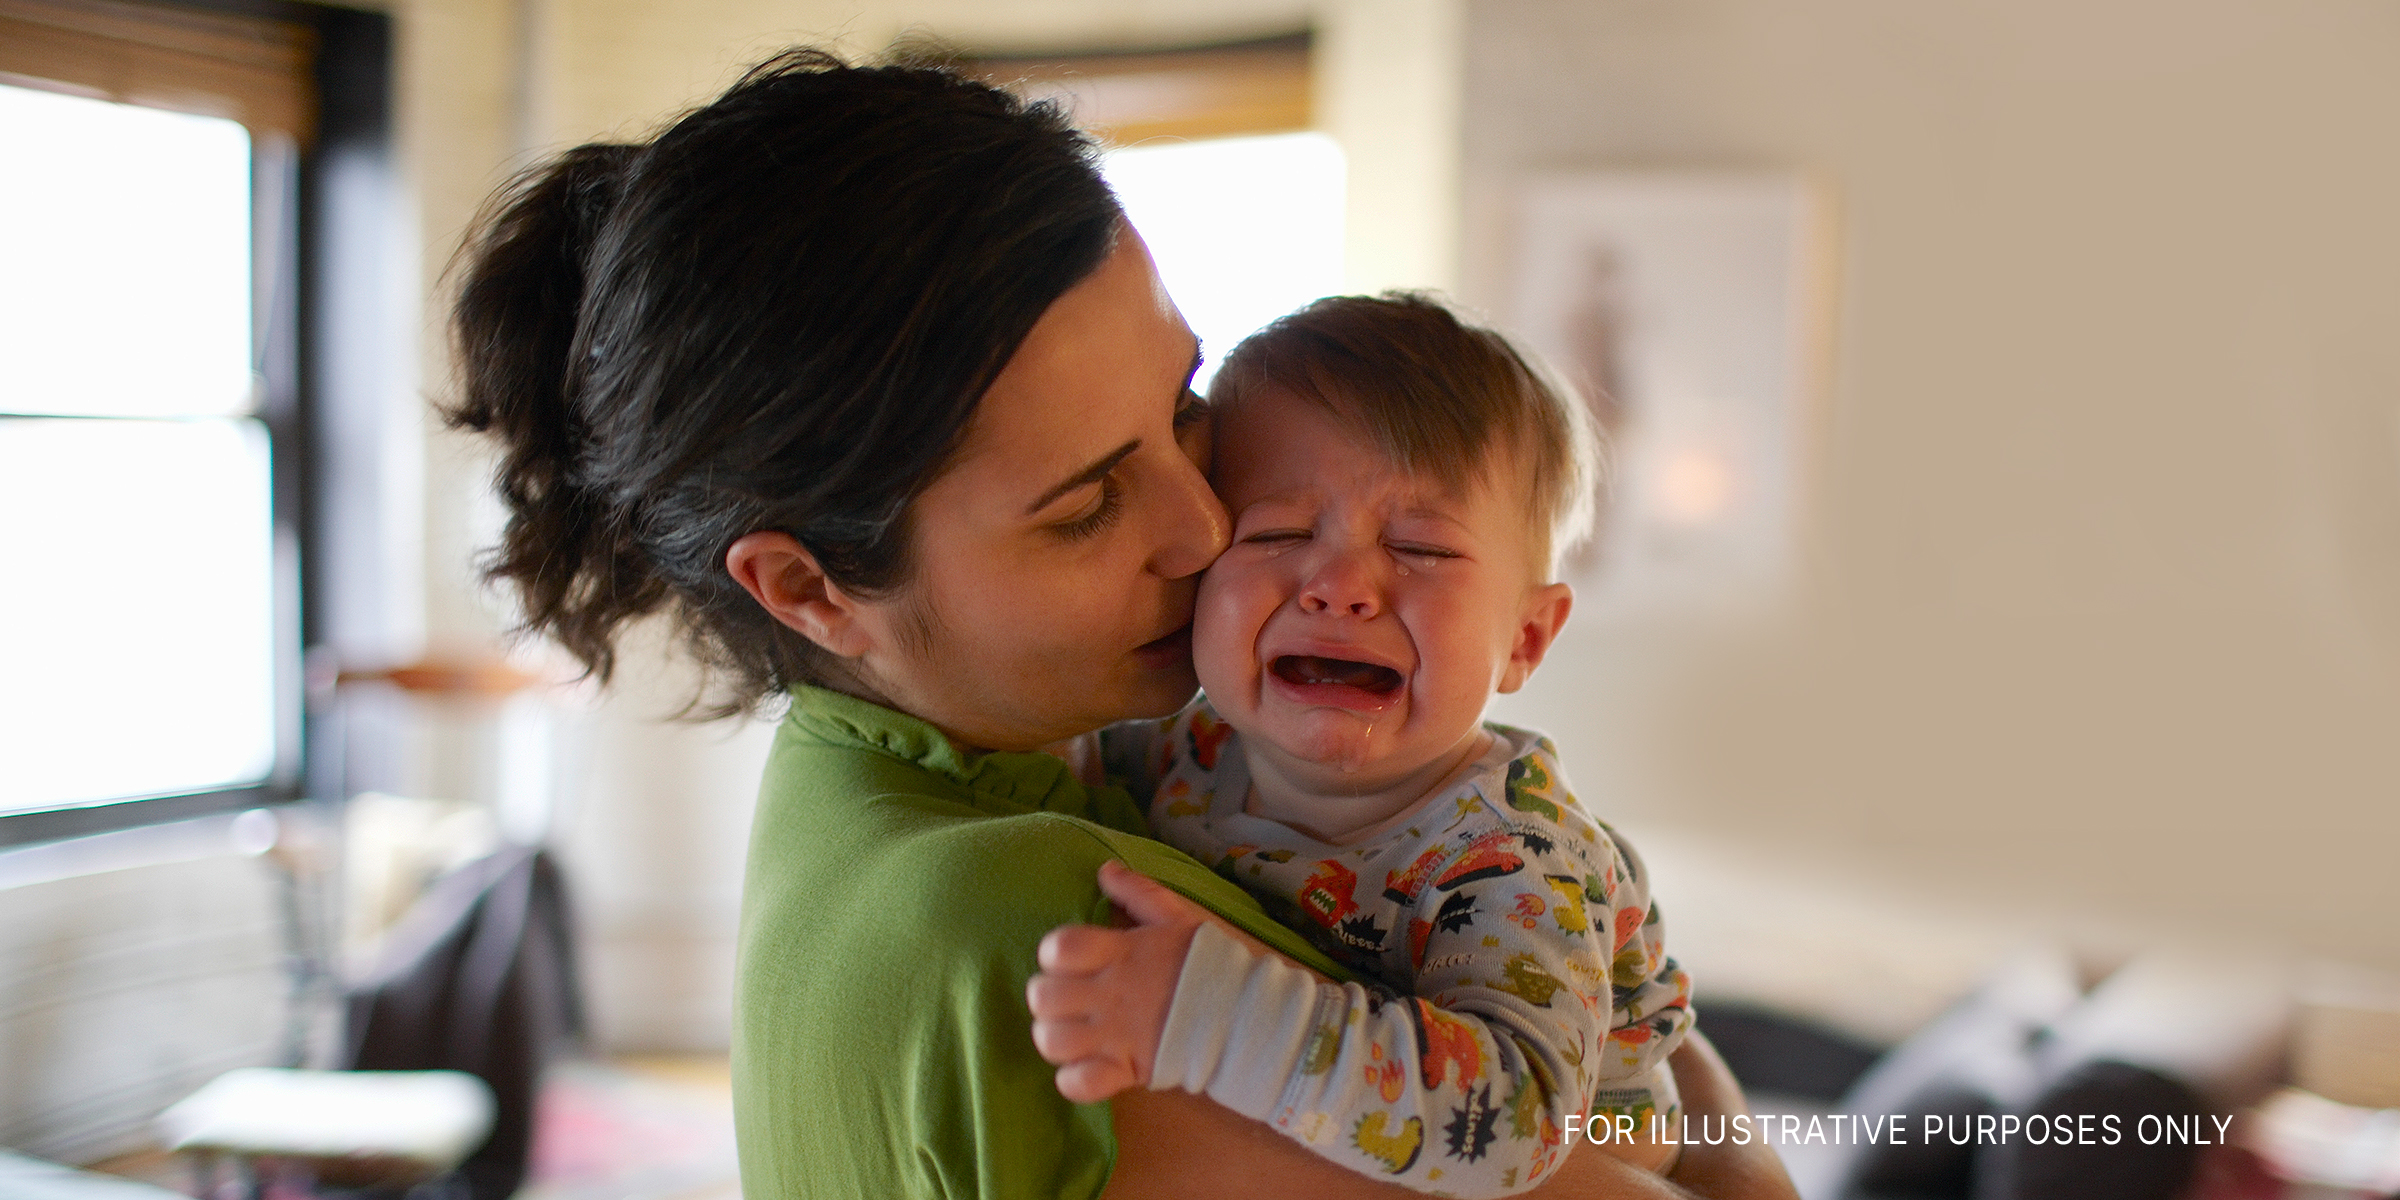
pixel 1222 651
pixel 1213 637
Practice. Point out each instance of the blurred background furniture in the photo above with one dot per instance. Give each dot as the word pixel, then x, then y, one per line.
pixel 479 977
pixel 453 972
pixel 2170 1067
pixel 395 1130
pixel 23 1178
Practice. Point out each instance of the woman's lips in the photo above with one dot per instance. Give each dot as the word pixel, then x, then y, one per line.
pixel 1323 682
pixel 1173 650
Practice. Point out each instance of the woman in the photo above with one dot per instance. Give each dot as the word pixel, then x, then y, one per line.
pixel 860 373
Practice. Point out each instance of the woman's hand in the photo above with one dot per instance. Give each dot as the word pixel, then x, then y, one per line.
pixel 1100 1001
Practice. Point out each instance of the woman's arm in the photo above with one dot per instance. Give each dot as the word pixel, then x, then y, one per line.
pixel 1173 1143
pixel 1725 1171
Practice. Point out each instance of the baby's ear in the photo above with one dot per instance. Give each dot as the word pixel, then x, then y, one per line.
pixel 1544 614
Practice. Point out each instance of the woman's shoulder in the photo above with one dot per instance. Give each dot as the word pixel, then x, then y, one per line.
pixel 880 1023
pixel 918 860
pixel 1041 859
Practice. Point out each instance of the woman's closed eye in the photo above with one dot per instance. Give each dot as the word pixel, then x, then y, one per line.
pixel 1108 503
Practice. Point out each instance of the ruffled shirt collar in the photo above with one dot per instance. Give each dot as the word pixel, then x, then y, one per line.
pixel 1002 783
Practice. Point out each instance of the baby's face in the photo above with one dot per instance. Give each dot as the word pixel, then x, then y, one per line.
pixel 1363 615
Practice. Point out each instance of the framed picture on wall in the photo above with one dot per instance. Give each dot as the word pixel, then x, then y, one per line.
pixel 1693 309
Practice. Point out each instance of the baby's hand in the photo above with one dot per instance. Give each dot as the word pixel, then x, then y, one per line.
pixel 1100 1001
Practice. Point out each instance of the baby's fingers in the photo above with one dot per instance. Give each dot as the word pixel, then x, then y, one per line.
pixel 1066 1041
pixel 1079 949
pixel 1068 997
pixel 1146 900
pixel 1092 1080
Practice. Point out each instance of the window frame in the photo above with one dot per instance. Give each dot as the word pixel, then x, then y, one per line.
pixel 338 105
pixel 1125 97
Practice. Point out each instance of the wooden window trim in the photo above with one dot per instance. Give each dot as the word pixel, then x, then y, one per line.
pixel 263 73
pixel 255 71
pixel 1250 87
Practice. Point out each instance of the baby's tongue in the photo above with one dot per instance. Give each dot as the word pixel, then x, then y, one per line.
pixel 1341 672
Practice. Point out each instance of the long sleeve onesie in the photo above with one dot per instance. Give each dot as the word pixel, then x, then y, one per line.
pixel 1522 968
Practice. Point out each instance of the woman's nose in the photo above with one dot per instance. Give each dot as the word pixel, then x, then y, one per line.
pixel 1193 528
pixel 1343 585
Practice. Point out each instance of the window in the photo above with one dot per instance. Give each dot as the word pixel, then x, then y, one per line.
pixel 151 448
pixel 135 474
pixel 1243 229
pixel 1210 152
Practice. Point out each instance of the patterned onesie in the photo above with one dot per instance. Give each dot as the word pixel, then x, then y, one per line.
pixel 1519 965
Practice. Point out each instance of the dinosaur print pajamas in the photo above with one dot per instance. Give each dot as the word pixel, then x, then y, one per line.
pixel 1518 967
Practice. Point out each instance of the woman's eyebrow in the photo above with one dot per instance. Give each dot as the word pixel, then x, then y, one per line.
pixel 1102 466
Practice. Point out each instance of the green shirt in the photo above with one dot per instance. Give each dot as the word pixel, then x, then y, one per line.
pixel 896 892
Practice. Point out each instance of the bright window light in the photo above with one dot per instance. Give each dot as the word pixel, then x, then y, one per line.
pixel 1244 230
pixel 137 620
pixel 124 259
pixel 136 630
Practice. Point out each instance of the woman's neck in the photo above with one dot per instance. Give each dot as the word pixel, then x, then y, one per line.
pixel 1082 756
pixel 1323 807
pixel 1081 751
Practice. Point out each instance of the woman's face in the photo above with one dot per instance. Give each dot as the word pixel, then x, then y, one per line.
pixel 1057 557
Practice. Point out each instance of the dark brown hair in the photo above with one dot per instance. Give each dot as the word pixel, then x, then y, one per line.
pixel 778 314
pixel 1436 395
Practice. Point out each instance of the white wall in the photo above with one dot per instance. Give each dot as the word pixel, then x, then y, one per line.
pixel 2100 620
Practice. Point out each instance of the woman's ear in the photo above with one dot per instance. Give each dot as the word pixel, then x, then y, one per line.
pixel 1545 613
pixel 784 578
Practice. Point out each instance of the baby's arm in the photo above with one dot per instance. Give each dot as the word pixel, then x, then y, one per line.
pixel 1651 995
pixel 1511 971
pixel 1464 1101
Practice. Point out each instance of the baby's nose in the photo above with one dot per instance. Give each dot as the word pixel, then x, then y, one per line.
pixel 1342 587
pixel 1316 604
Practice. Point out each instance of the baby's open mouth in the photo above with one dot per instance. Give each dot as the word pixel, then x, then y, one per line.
pixel 1306 669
